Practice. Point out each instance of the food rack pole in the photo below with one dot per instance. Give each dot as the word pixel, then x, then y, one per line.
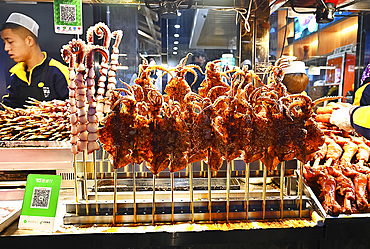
pixel 282 170
pixel 300 187
pixel 134 189
pixel 172 199
pixel 153 202
pixel 228 189
pixel 95 182
pixel 209 192
pixel 114 195
pixel 246 193
pixel 191 191
pixel 84 155
pixel 264 190
pixel 75 180
pixel 101 164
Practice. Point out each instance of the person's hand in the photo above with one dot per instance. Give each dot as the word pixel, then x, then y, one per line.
pixel 341 118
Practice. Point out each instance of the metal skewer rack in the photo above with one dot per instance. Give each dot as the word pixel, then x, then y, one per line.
pixel 132 194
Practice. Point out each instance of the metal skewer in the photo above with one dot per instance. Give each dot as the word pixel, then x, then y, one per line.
pixel 101 164
pixel 172 198
pixel 84 155
pixel 134 190
pixel 75 172
pixel 282 170
pixel 209 192
pixel 246 193
pixel 115 196
pixel 95 182
pixel 264 191
pixel 191 191
pixel 300 187
pixel 153 203
pixel 228 190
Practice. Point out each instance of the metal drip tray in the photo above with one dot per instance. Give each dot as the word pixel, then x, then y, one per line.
pixel 181 184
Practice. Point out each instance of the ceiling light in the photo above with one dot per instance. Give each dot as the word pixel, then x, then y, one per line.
pixel 176 35
pixel 177 26
pixel 176 42
pixel 175 48
pixel 178 13
pixel 174 52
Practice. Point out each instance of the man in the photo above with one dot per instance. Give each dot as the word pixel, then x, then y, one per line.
pixel 362 95
pixel 35 75
pixel 200 60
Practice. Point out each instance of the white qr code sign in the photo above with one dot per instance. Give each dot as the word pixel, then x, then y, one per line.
pixel 40 202
pixel 67 12
pixel 40 197
pixel 68 16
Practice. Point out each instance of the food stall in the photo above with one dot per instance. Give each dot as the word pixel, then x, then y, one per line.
pixel 144 167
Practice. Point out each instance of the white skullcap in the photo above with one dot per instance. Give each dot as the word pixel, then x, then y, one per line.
pixel 295 67
pixel 24 21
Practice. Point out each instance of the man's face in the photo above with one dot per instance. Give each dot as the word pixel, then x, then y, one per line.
pixel 15 45
pixel 200 59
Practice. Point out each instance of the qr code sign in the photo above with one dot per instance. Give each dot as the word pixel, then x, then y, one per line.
pixel 41 197
pixel 67 13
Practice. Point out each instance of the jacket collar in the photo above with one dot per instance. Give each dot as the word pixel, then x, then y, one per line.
pixel 19 70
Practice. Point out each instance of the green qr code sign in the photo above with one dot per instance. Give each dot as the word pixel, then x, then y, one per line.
pixel 68 16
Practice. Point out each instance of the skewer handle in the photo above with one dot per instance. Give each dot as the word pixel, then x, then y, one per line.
pixel 75 181
pixel 246 193
pixel 264 191
pixel 114 196
pixel 172 198
pixel 228 190
pixel 134 190
pixel 209 176
pixel 282 170
pixel 191 191
pixel 153 203
pixel 95 182
pixel 300 187
pixel 84 156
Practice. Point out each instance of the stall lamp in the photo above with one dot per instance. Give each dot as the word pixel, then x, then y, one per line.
pixel 175 48
pixel 176 35
pixel 177 26
pixel 174 52
pixel 176 42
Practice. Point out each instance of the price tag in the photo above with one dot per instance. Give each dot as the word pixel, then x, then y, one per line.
pixel 68 16
pixel 40 202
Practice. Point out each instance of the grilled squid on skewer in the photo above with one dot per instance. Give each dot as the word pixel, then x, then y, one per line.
pixel 92 118
pixel 113 68
pixel 78 48
pixel 69 57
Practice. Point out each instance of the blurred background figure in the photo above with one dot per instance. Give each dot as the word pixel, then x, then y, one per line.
pixel 365 75
pixel 199 59
pixel 295 78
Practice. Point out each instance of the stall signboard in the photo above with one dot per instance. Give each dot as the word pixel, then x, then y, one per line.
pixel 68 16
pixel 40 202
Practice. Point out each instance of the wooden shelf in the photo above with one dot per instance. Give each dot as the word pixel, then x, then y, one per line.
pixel 319 43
